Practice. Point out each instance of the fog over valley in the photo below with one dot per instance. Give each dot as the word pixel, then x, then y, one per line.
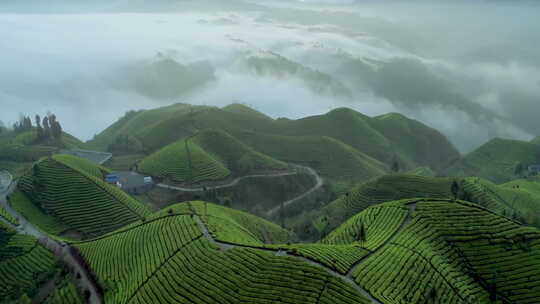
pixel 470 69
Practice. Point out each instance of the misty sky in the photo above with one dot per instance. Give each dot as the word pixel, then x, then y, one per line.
pixel 468 68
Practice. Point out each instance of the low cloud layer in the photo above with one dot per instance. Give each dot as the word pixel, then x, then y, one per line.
pixel 470 69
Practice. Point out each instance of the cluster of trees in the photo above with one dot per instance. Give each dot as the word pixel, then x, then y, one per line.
pixel 48 128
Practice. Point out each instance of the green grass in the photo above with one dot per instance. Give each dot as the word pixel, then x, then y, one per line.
pixel 140 263
pixel 184 161
pixel 24 264
pixel 26 208
pixel 70 191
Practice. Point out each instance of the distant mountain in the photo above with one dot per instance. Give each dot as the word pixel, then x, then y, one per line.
pixel 343 144
pixel 165 78
pixel 497 160
pixel 274 65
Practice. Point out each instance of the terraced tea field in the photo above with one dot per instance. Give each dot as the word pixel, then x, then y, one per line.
pixel 24 264
pixel 72 192
pixel 184 161
pixel 212 272
pixel 65 293
pixel 448 252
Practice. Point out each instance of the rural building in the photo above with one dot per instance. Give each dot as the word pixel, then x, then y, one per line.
pixel 534 169
pixel 131 182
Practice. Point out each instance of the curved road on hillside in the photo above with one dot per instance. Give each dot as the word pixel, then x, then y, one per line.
pixel 59 249
pixel 319 182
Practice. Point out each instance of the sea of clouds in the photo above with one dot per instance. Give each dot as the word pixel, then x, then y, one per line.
pixel 470 69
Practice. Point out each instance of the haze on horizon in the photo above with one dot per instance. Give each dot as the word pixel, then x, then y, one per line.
pixel 470 69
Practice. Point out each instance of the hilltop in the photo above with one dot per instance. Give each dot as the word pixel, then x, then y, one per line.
pixel 376 142
pixel 499 160
pixel 207 155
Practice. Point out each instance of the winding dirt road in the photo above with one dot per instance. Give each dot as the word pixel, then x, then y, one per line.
pixel 319 182
pixel 58 248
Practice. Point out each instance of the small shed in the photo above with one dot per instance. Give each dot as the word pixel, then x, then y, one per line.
pixel 131 182
pixel 112 178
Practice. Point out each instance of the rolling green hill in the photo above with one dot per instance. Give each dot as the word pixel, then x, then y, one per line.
pixel 522 204
pixel 497 160
pixel 438 251
pixel 235 155
pixel 410 251
pixel 387 139
pixel 71 193
pixel 22 147
pixel 208 155
pixel 135 122
pixel 175 241
pixel 183 161
pixel 245 110
pixel 339 163
pixel 29 138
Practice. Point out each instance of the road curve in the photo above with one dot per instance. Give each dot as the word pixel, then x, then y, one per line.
pixel 234 182
pixel 319 182
pixel 59 249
